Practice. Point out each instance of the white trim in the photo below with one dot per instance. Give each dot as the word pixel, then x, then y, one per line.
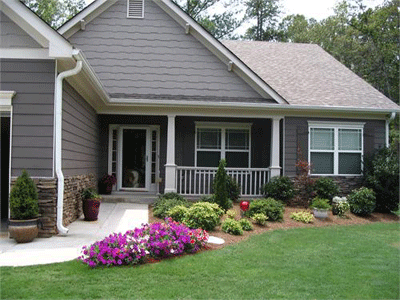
pixel 6 100
pixel 330 124
pixel 25 53
pixel 9 159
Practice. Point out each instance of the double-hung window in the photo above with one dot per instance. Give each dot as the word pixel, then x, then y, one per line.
pixel 335 148
pixel 216 141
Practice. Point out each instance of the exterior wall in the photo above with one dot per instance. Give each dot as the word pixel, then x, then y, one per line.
pixel 33 114
pixel 153 57
pixel 12 36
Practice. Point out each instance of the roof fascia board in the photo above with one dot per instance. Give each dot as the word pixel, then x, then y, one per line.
pixel 219 50
pixel 47 37
pixel 87 15
pixel 25 53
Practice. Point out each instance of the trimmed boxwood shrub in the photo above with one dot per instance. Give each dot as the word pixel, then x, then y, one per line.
pixel 362 201
pixel 246 225
pixel 203 215
pixel 270 207
pixel 326 188
pixel 280 188
pixel 232 226
pixel 167 201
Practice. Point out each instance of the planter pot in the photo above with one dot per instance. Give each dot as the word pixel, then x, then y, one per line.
pixel 320 213
pixel 91 209
pixel 105 189
pixel 23 231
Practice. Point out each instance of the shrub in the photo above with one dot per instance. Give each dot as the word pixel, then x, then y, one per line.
pixel 270 207
pixel 362 201
pixel 233 189
pixel 342 208
pixel 302 216
pixel 280 188
pixel 177 213
pixel 164 203
pixel 304 183
pixel 203 215
pixel 172 195
pixel 207 198
pixel 320 203
pixel 232 226
pixel 259 219
pixel 157 240
pixel 231 214
pixel 326 188
pixel 246 225
pixel 381 173
pixel 24 198
pixel 221 188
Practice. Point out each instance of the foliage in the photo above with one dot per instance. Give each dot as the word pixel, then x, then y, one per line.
pixel 156 240
pixel 303 182
pixel 246 225
pixel 233 189
pixel 24 198
pixel 270 207
pixel 221 188
pixel 381 173
pixel 259 219
pixel 231 214
pixel 90 193
pixel 362 201
pixel 320 203
pixel 302 216
pixel 232 226
pixel 342 208
pixel 55 12
pixel 326 188
pixel 207 198
pixel 108 180
pixel 203 215
pixel 167 201
pixel 178 213
pixel 280 188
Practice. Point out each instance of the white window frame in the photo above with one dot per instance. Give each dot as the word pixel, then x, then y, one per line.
pixel 134 17
pixel 336 126
pixel 223 127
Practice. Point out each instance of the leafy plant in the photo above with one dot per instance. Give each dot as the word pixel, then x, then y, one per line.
pixel 320 203
pixel 221 187
pixel 172 195
pixel 304 183
pixel 90 193
pixel 24 198
pixel 207 198
pixel 302 216
pixel 270 207
pixel 280 188
pixel 203 215
pixel 342 208
pixel 108 180
pixel 232 226
pixel 178 213
pixel 362 201
pixel 231 214
pixel 165 202
pixel 246 225
pixel 326 188
pixel 233 189
pixel 259 219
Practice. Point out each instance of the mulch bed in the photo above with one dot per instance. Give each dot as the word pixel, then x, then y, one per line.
pixel 287 223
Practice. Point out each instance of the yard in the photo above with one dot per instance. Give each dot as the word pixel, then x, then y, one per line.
pixel 355 261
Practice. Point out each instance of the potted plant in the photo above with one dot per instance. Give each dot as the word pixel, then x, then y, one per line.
pixel 106 184
pixel 91 204
pixel 24 210
pixel 320 207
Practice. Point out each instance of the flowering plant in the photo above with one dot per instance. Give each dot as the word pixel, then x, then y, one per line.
pixel 108 180
pixel 157 240
pixel 302 216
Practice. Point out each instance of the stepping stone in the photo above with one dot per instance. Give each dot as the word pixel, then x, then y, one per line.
pixel 215 240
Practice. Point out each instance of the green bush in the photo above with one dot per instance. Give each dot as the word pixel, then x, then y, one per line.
pixel 280 188
pixel 326 188
pixel 381 173
pixel 231 214
pixel 232 226
pixel 233 189
pixel 362 201
pixel 178 213
pixel 203 215
pixel 172 195
pixel 221 187
pixel 320 203
pixel 24 198
pixel 302 216
pixel 207 198
pixel 260 219
pixel 164 203
pixel 246 225
pixel 270 207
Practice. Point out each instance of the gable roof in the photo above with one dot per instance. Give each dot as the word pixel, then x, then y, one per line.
pixel 306 75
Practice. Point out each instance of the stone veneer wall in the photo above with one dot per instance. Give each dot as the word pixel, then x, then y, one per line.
pixel 347 184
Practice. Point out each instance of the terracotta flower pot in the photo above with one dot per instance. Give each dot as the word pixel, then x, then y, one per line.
pixel 91 209
pixel 23 231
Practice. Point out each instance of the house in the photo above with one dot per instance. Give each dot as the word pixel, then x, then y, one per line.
pixel 136 88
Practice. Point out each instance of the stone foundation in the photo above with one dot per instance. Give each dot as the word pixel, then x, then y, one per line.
pixel 347 184
pixel 73 186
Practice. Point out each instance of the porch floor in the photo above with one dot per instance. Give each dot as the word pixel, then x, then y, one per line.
pixel 129 197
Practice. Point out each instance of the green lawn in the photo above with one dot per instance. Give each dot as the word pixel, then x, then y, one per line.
pixel 338 262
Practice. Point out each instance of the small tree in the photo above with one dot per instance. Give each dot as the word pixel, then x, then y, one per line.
pixel 221 187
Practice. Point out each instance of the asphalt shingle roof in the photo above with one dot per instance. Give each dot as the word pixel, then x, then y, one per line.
pixel 305 74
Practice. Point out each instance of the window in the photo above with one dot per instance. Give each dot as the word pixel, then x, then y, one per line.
pixel 336 149
pixel 135 8
pixel 223 141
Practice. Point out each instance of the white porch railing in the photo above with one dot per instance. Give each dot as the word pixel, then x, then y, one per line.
pixel 197 181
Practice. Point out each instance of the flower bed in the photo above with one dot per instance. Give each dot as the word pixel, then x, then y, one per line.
pixel 156 240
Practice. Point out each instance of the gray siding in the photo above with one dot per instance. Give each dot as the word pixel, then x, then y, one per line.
pixel 80 136
pixel 296 139
pixel 33 114
pixel 153 57
pixel 12 36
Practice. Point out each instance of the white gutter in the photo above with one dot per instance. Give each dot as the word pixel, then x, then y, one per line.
pixel 391 118
pixel 58 145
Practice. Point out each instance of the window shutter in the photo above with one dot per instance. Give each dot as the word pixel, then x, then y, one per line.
pixel 135 8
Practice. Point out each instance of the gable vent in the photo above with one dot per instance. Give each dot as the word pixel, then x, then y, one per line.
pixel 135 8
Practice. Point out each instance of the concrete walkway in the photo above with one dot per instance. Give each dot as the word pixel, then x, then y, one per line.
pixel 113 217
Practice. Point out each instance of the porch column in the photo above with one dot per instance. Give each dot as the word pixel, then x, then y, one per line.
pixel 170 167
pixel 275 168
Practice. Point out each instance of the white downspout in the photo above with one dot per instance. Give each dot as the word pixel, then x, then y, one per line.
pixel 391 118
pixel 58 145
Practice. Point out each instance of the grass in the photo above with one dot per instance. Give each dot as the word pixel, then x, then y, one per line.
pixel 357 262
